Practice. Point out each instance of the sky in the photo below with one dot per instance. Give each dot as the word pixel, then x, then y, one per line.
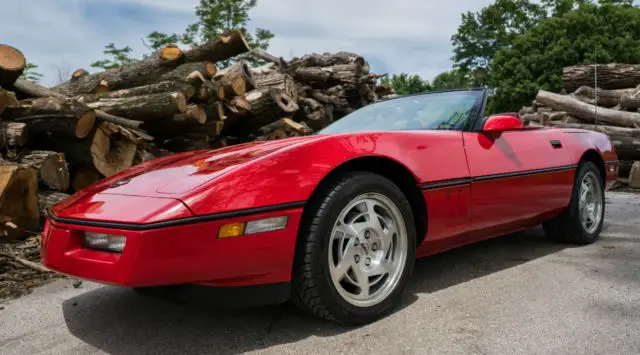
pixel 412 36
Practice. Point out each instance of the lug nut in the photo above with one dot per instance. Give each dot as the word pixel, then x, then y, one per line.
pixel 357 257
pixel 356 242
pixel 374 246
pixel 367 262
pixel 367 234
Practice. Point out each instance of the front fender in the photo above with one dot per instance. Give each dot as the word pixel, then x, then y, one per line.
pixel 292 174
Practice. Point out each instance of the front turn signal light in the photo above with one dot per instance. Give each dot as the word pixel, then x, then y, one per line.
pixel 231 230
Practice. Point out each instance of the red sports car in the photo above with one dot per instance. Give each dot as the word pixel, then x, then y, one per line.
pixel 334 221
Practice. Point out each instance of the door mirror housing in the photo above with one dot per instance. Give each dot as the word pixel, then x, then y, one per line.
pixel 502 122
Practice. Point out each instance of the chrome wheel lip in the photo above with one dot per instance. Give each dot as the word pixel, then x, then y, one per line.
pixel 590 203
pixel 375 251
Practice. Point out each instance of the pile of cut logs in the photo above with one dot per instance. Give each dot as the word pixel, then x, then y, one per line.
pixel 613 108
pixel 55 141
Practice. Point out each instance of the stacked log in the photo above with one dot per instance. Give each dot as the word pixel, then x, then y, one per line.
pixel 612 108
pixel 57 140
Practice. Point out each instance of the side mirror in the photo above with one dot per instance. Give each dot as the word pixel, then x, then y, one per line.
pixel 502 122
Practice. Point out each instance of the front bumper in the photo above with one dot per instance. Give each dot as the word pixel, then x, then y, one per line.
pixel 175 254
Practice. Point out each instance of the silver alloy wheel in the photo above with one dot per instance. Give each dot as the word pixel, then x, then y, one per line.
pixel 368 250
pixel 590 203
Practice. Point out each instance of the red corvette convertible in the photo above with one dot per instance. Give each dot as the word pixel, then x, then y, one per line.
pixel 334 221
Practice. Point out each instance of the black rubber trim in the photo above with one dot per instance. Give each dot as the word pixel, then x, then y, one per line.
pixel 466 181
pixel 445 183
pixel 612 162
pixel 175 222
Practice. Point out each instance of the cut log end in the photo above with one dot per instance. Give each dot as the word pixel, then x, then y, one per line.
pixel 11 58
pixel 12 64
pixel 211 69
pixel 181 101
pixel 285 102
pixel 171 52
pixel 85 124
pixel 103 86
pixel 78 73
pixel 111 150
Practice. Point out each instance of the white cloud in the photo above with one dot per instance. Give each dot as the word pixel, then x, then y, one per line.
pixel 406 35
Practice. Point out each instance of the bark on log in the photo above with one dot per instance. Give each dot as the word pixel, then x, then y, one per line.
pixel 15 134
pixel 155 88
pixel 627 148
pixel 224 47
pixel 280 81
pixel 269 104
pixel 238 106
pixel 109 149
pixel 12 64
pixel 233 84
pixel 7 99
pixel 139 73
pixel 48 198
pixel 144 107
pixel 85 176
pixel 606 98
pixel 634 175
pixel 206 68
pixel 18 200
pixel 54 115
pixel 609 130
pixel 587 112
pixel 320 77
pixel 34 90
pixel 239 69
pixel 327 59
pixel 53 170
pixel 610 76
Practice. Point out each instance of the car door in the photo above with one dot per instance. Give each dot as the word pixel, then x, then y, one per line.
pixel 517 177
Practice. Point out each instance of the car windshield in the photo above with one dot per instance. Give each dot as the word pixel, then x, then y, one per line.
pixel 446 110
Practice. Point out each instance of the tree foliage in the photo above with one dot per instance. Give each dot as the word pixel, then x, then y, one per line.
pixel 30 73
pixel 405 84
pixel 216 17
pixel 607 31
pixel 119 56
pixel 481 34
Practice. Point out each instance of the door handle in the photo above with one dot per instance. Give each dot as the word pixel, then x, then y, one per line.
pixel 555 143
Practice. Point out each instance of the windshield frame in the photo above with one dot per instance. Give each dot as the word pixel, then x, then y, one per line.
pixel 474 120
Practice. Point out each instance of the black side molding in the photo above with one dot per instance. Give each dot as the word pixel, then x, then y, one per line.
pixel 466 181
pixel 176 222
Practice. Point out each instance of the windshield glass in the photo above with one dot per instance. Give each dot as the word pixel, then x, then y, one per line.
pixel 448 110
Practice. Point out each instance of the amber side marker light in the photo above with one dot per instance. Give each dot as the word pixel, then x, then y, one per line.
pixel 237 229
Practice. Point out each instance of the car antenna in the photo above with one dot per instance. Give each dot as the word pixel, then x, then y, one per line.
pixel 595 80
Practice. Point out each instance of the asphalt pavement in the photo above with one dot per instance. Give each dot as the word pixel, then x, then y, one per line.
pixel 517 294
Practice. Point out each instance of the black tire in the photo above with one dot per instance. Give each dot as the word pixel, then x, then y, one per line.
pixel 313 289
pixel 567 227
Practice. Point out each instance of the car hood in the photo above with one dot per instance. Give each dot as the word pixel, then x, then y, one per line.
pixel 178 174
pixel 153 191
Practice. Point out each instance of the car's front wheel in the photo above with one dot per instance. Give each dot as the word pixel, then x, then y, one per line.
pixel 356 251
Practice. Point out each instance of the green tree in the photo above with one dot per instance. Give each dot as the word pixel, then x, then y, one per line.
pixel 30 73
pixel 605 32
pixel 481 34
pixel 216 17
pixel 405 84
pixel 453 79
pixel 119 56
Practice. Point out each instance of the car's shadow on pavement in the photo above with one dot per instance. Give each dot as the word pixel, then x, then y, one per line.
pixel 118 321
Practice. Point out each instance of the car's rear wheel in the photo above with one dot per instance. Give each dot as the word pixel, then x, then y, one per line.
pixel 582 221
pixel 356 250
